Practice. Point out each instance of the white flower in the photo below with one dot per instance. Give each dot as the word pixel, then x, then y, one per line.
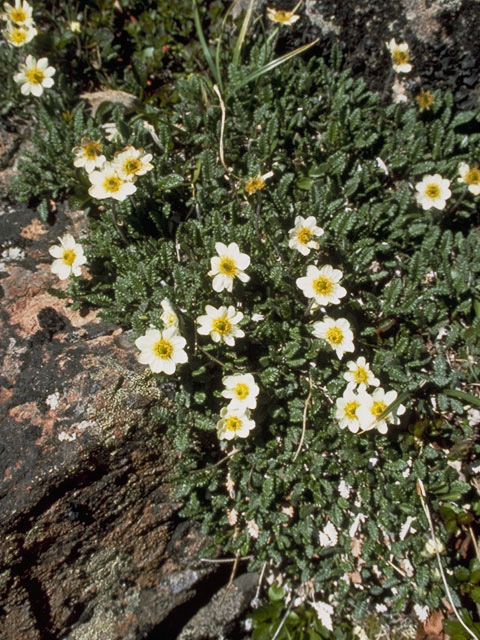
pixel 360 375
pixel 221 324
pixel 328 537
pixel 19 34
pixel 232 517
pixel 400 56
pixel 372 406
pixel 322 285
pixel 470 177
pixel 168 317
pixel 228 265
pixel 20 13
pixel 106 183
pixel 234 423
pixel 162 350
pixel 324 612
pixel 34 76
pixel 258 317
pixel 302 236
pixel 399 93
pixel 252 528
pixel 132 162
pixel 433 191
pixel 241 390
pixel 111 132
pixel 434 546
pixel 347 411
pixel 88 155
pixel 69 257
pixel 337 333
pixel 283 17
pixel 74 26
pixel 256 183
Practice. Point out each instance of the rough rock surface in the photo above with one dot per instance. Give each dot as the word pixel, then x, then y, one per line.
pixel 92 547
pixel 443 35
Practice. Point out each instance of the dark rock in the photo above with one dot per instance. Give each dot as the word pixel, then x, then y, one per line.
pixel 86 514
pixel 220 616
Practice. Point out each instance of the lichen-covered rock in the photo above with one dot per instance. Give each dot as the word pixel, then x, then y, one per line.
pixel 91 542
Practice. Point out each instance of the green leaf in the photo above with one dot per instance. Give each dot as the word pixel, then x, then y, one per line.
pixel 274 63
pixel 462 395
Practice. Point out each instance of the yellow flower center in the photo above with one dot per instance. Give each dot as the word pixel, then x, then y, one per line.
pixel 241 390
pixel 334 335
pixel 112 184
pixel 424 100
pixel 18 35
pixel 233 423
pixel 378 408
pixel 17 14
pixel 304 235
pixel 282 16
pixel 170 319
pixel 68 257
pixel 92 149
pixel 227 266
pixel 132 165
pixel 473 176
pixel 351 409
pixel 222 325
pixel 35 75
pixel 432 190
pixel 254 184
pixel 323 286
pixel 400 57
pixel 360 375
pixel 163 349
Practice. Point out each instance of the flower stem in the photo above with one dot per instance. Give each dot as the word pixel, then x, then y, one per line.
pixel 117 226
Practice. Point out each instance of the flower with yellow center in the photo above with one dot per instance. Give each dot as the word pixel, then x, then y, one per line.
pixel 256 183
pixel 346 411
pixel 400 56
pixel 34 76
pixel 372 406
pixel 168 317
pixel 88 155
pixel 162 350
pixel 18 35
pixel 106 183
pixel 282 17
pixel 303 234
pixel 221 324
pixel 241 390
pixel 424 100
pixel 132 162
pixel 20 13
pixel 75 26
pixel 322 285
pixel 252 185
pixel 471 177
pixel 433 191
pixel 336 333
pixel 359 375
pixel 228 265
pixel 68 256
pixel 234 423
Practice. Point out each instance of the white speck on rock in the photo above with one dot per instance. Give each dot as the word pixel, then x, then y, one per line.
pixel 63 435
pixel 52 400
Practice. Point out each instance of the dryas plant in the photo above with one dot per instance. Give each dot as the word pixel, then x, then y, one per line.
pixel 239 161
